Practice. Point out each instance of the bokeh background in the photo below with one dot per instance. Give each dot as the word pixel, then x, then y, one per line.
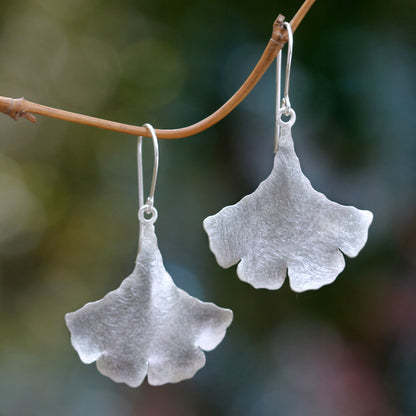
pixel 68 199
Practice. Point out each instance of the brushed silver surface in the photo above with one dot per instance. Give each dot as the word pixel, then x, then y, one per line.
pixel 286 225
pixel 148 325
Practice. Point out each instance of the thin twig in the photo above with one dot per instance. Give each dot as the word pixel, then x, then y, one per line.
pixel 17 108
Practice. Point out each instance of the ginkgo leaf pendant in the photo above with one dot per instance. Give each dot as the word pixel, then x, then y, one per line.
pixel 148 325
pixel 287 225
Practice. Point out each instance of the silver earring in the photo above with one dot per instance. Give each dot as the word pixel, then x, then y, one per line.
pixel 148 325
pixel 286 225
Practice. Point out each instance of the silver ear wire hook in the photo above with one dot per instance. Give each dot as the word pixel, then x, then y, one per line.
pixel 285 101
pixel 278 95
pixel 284 106
pixel 148 207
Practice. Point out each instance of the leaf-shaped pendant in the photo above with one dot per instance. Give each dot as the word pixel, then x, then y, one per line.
pixel 287 225
pixel 148 325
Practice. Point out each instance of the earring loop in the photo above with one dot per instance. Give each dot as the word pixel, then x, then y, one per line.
pixel 288 113
pixel 147 208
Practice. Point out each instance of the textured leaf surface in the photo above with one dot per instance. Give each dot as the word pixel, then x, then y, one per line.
pixel 148 325
pixel 286 225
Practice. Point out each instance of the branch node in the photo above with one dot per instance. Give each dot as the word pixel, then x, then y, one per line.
pixel 279 34
pixel 17 110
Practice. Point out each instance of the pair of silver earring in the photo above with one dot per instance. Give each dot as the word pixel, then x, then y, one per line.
pixel 148 326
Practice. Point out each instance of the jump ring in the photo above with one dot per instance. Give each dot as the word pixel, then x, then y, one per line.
pixel 146 209
pixel 285 111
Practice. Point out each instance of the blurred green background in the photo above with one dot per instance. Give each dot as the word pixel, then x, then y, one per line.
pixel 68 199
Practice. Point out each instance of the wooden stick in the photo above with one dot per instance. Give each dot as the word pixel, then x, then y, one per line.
pixel 18 108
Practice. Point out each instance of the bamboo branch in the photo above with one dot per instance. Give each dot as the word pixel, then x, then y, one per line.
pixel 18 108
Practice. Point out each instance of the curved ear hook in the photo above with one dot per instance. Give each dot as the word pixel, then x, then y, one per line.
pixel 285 101
pixel 147 208
pixel 283 107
